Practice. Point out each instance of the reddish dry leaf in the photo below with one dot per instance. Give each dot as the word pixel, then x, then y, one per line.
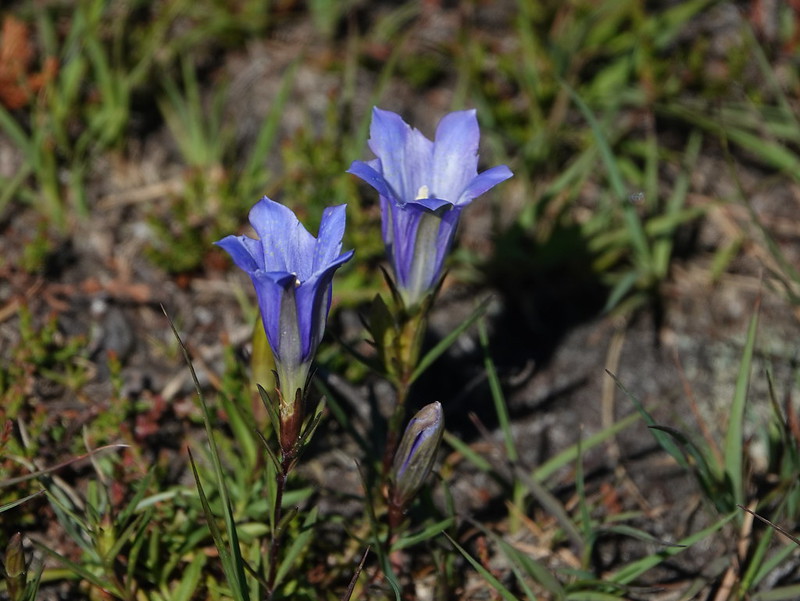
pixel 17 84
pixel 610 498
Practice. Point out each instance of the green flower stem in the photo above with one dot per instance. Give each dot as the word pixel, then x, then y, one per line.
pixel 393 433
pixel 277 533
pixel 400 362
pixel 291 442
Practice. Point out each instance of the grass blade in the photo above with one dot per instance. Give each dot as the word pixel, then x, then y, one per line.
pixel 614 173
pixel 554 506
pixel 570 454
pixel 13 504
pixel 427 533
pixel 351 587
pixel 297 546
pixel 438 350
pixel 487 575
pixel 632 571
pixel 733 438
pixel 473 457
pixel 234 565
pixel 497 394
pixel 661 437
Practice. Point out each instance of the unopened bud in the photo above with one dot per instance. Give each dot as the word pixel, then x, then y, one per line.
pixel 16 570
pixel 416 454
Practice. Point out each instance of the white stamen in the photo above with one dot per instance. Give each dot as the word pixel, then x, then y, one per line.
pixel 423 193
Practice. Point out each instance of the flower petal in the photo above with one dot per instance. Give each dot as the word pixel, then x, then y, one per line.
pixel 287 245
pixel 313 303
pixel 421 240
pixel 455 154
pixel 329 241
pixel 272 289
pixel 484 182
pixel 244 251
pixel 405 154
pixel 372 176
pixel 432 204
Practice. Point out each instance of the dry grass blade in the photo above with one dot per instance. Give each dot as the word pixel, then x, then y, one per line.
pixel 350 587
pixel 783 531
pixel 49 470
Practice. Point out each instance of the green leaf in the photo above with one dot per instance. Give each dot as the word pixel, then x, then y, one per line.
pixel 133 504
pixel 734 436
pixel 756 560
pixel 632 571
pixel 784 593
pixel 270 407
pixel 242 427
pixel 298 545
pixel 80 570
pixel 778 558
pixel 382 556
pixel 592 596
pixel 232 561
pixel 133 530
pixel 570 454
pixel 500 408
pixel 190 579
pixel 662 438
pixel 438 350
pixel 427 533
pixel 13 504
pixel 620 290
pixel 211 520
pixel 384 333
pixel 636 533
pixel 614 175
pixel 553 506
pixel 487 575
pixel 474 458
pixel 523 562
pixel 707 473
pixel 583 506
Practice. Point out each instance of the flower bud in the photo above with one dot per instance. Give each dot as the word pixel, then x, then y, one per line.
pixel 15 568
pixel 416 454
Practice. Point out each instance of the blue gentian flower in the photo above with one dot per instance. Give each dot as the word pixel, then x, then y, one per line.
pixel 423 185
pixel 292 272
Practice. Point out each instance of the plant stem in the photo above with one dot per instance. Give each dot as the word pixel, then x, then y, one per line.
pixel 393 434
pixel 277 533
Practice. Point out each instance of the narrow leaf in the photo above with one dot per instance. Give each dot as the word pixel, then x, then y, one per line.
pixel 734 436
pixel 487 575
pixel 663 439
pixel 632 571
pixel 351 587
pixel 438 350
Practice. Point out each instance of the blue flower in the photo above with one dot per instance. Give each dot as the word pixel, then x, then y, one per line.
pixel 423 186
pixel 292 273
